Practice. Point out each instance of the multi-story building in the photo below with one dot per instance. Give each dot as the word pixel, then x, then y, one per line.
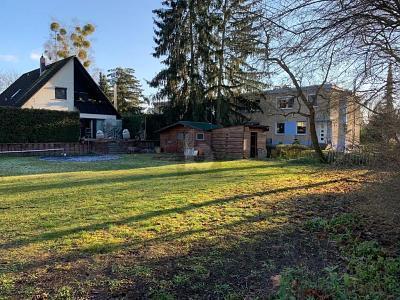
pixel 338 116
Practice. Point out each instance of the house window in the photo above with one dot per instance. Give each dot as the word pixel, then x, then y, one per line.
pixel 286 102
pixel 280 128
pixel 200 136
pixel 301 127
pixel 61 93
pixel 313 100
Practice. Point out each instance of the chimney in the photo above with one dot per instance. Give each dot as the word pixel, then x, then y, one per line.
pixel 42 64
pixel 115 97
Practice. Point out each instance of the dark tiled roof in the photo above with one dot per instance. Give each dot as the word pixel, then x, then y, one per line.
pixel 196 125
pixel 28 84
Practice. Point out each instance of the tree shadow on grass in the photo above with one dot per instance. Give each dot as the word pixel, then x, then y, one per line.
pixel 158 213
pixel 237 258
pixel 231 259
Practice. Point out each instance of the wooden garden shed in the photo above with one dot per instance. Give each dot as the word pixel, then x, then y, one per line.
pixel 189 138
pixel 212 141
pixel 237 142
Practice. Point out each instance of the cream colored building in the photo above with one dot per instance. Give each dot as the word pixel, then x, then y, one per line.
pixel 65 86
pixel 338 117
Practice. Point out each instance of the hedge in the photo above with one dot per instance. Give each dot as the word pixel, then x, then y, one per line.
pixel 290 151
pixel 38 126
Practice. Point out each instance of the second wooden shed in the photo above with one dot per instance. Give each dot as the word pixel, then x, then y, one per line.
pixel 236 142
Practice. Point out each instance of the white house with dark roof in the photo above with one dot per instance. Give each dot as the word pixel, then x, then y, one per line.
pixel 65 86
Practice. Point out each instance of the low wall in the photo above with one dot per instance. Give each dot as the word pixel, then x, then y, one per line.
pixel 37 149
pixel 80 148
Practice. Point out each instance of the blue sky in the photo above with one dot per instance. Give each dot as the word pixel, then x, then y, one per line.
pixel 123 37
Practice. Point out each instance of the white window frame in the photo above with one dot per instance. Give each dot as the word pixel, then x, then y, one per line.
pixel 197 136
pixel 297 127
pixel 284 98
pixel 276 128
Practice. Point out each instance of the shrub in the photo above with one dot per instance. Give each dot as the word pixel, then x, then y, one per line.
pixel 38 126
pixel 134 123
pixel 291 151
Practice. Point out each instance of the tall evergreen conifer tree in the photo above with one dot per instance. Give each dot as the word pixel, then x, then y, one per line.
pixel 129 89
pixel 207 47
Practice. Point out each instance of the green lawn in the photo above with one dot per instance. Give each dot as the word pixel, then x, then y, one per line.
pixel 143 228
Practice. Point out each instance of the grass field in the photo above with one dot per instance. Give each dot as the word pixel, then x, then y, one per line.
pixel 142 228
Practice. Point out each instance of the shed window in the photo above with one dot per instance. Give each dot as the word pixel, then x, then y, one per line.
pixel 301 127
pixel 286 102
pixel 200 136
pixel 180 136
pixel 61 93
pixel 280 128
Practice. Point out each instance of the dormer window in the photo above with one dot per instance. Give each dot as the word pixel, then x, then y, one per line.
pixel 15 94
pixel 61 93
pixel 286 102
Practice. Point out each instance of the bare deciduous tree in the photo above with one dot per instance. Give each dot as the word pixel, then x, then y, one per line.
pixel 6 79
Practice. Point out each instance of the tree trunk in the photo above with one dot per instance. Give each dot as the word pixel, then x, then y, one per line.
pixel 221 56
pixel 193 87
pixel 314 137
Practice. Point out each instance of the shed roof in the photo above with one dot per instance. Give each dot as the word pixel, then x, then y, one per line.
pixel 196 125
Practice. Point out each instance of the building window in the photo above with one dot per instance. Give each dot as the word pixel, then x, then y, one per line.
pixel 280 128
pixel 301 127
pixel 61 93
pixel 313 100
pixel 286 102
pixel 200 136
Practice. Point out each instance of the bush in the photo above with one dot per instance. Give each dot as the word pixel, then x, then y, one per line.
pixel 291 151
pixel 134 123
pixel 38 126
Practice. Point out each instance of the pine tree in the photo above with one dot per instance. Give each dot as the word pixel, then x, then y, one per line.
pixel 236 44
pixel 129 89
pixel 176 41
pixel 383 127
pixel 105 86
pixel 206 48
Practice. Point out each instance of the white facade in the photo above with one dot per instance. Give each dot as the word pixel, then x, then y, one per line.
pixel 45 97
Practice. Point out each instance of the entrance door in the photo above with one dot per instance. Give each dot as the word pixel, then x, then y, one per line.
pixel 322 133
pixel 253 144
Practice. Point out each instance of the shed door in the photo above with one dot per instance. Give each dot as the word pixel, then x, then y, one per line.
pixel 253 144
pixel 181 141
